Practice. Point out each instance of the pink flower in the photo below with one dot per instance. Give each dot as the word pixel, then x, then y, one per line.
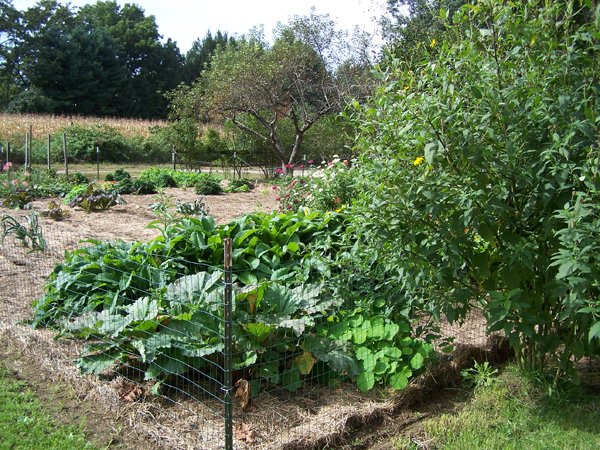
pixel 8 165
pixel 300 166
pixel 310 161
pixel 289 166
pixel 277 198
pixel 279 171
pixel 274 188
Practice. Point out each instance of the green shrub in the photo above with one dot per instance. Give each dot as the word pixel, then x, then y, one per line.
pixel 118 175
pixel 76 191
pixel 479 177
pixel 96 198
pixel 240 185
pixel 208 185
pixel 136 187
pixel 78 178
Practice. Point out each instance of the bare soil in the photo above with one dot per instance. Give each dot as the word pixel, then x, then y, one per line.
pixel 108 409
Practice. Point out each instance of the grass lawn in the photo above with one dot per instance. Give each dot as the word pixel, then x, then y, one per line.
pixel 517 412
pixel 24 424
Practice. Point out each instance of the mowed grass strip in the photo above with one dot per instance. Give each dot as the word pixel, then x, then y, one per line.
pixel 519 412
pixel 25 424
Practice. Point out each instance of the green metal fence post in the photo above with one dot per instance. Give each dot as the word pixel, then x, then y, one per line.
pixel 228 317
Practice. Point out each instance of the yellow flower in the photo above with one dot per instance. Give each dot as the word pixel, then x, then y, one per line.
pixel 406 88
pixel 340 209
pixel 418 161
pixel 433 41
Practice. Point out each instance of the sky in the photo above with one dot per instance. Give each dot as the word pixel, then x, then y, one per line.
pixel 186 20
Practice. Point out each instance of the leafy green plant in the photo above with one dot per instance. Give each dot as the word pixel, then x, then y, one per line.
pixel 486 139
pixel 208 186
pixel 136 187
pixel 480 375
pixel 30 235
pixel 196 208
pixel 158 305
pixel 240 185
pixel 161 178
pixel 118 175
pixel 331 188
pixel 94 198
pixel 384 348
pixel 18 198
pixel 78 178
pixel 55 212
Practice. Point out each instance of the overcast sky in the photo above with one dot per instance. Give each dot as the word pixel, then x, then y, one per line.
pixel 185 20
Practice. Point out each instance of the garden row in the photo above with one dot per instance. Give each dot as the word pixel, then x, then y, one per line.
pixel 18 188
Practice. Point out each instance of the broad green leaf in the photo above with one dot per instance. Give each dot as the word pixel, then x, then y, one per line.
pixel 96 363
pixel 290 379
pixel 398 381
pixel 417 361
pixel 594 331
pixel 365 381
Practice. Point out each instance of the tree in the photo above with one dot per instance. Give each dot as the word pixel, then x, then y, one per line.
pixel 412 25
pixel 198 57
pixel 260 87
pixel 151 68
pixel 480 177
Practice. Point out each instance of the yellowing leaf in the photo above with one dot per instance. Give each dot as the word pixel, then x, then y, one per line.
pixel 305 362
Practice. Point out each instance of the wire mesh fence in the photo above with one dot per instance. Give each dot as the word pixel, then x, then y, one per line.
pixel 196 358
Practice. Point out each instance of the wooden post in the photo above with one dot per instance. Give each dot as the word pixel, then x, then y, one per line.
pixel 173 157
pixel 30 145
pixel 97 164
pixel 65 154
pixel 7 151
pixel 48 155
pixel 26 148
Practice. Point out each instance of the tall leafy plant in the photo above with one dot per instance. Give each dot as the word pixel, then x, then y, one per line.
pixel 477 175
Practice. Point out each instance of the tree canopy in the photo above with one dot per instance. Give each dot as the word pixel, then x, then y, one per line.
pixel 101 59
pixel 260 88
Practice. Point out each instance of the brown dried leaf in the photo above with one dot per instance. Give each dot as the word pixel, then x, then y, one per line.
pixel 244 433
pixel 131 392
pixel 243 392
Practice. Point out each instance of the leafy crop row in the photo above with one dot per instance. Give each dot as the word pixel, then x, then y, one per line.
pixel 157 306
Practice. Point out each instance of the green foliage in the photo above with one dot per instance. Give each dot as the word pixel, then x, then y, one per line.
pixel 160 303
pixel 480 375
pixel 75 192
pixel 195 208
pixel 137 187
pixel 79 178
pixel 384 348
pixel 517 412
pixel 55 211
pixel 160 178
pixel 96 198
pixel 208 185
pixel 330 188
pixel 23 186
pixel 30 235
pixel 479 176
pixel 26 424
pixel 240 185
pixel 118 175
pixel 17 198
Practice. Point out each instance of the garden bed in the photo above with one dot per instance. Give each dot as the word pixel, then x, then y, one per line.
pixel 118 410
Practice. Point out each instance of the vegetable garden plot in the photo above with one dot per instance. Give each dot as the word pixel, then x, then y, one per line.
pixel 146 325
